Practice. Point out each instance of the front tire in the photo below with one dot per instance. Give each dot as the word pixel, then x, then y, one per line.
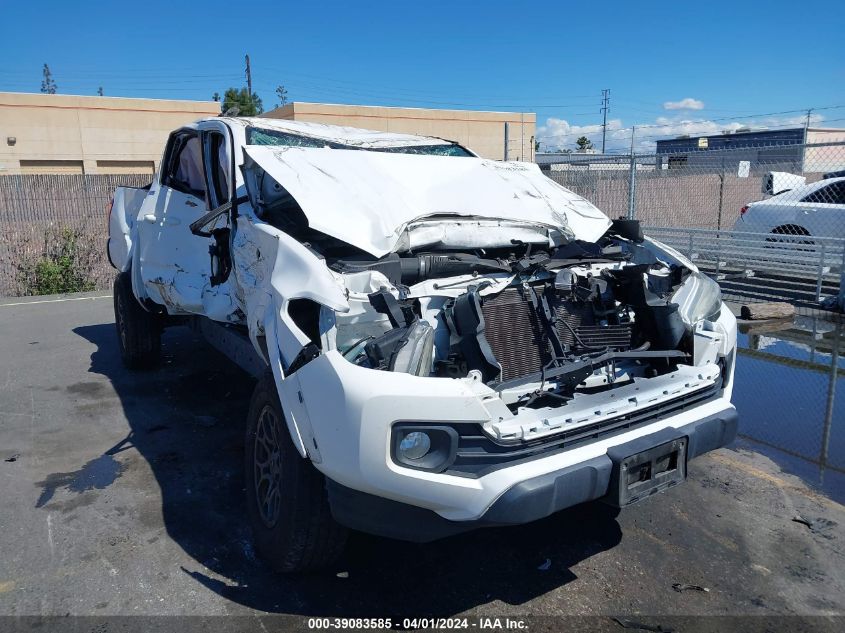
pixel 138 331
pixel 287 504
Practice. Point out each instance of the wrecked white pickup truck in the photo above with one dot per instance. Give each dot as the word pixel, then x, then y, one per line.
pixel 443 342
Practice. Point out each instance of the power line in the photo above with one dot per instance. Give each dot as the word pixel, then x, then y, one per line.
pixel 392 89
pixel 347 93
pixel 392 95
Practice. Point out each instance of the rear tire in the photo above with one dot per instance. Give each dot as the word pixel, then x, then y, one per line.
pixel 287 503
pixel 138 331
pixel 792 230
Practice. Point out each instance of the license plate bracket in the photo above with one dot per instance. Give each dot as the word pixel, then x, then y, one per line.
pixel 639 475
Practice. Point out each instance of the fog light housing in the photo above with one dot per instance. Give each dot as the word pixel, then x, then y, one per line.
pixel 430 447
pixel 415 445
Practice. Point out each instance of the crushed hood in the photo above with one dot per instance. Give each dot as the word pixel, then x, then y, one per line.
pixel 368 198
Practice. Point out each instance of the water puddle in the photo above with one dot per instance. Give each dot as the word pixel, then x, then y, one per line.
pixel 790 394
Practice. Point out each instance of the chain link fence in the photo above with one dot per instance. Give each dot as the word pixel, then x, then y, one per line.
pixel 774 215
pixel 769 222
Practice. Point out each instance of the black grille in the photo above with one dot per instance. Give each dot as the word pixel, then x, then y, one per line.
pixel 517 338
pixel 478 454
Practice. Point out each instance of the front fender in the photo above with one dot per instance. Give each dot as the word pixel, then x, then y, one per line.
pixel 280 269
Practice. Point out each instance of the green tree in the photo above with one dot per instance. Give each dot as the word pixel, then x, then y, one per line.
pixel 247 105
pixel 281 95
pixel 215 96
pixel 584 143
pixel 48 85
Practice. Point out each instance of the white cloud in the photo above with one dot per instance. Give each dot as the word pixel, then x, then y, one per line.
pixel 684 104
pixel 559 134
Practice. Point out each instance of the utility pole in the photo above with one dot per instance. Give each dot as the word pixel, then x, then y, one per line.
pixel 605 101
pixel 807 125
pixel 248 77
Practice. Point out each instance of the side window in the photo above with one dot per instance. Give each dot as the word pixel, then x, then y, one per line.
pixel 839 194
pixel 218 168
pixel 832 194
pixel 184 165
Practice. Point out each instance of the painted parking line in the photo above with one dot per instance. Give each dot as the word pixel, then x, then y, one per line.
pixel 26 303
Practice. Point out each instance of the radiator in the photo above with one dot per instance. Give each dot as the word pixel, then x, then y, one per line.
pixel 516 335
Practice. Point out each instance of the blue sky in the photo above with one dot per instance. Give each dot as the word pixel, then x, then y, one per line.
pixel 732 61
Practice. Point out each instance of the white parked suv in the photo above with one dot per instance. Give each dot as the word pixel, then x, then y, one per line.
pixel 443 342
pixel 817 209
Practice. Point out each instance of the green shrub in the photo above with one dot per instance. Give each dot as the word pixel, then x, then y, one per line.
pixel 64 264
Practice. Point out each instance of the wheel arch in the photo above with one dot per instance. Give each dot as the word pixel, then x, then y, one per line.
pixel 790 228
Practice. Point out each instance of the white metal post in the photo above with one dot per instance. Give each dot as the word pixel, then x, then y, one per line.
pixel 632 180
pixel 842 282
pixel 522 136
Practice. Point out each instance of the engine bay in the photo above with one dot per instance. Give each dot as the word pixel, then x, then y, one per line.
pixel 534 324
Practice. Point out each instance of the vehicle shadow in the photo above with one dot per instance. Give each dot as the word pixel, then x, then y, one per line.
pixel 187 420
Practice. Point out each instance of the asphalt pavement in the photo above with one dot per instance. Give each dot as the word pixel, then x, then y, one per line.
pixel 122 494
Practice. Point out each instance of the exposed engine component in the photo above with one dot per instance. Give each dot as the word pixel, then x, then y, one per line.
pixel 539 324
pixel 562 319
pixel 407 349
pixel 526 327
pixel 517 332
pixel 413 269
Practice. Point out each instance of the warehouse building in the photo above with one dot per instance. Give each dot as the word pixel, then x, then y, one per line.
pixel 810 150
pixel 66 134
pixel 589 161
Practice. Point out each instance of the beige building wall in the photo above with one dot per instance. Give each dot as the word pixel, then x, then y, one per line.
pixel 482 132
pixel 826 157
pixel 49 134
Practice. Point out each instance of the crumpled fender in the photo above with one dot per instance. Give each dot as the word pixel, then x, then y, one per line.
pixel 292 272
pixel 299 274
pixel 280 270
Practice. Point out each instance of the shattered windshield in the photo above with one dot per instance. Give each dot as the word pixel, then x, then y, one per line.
pixel 263 136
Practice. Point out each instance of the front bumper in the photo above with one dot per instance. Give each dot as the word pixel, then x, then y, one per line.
pixel 343 416
pixel 345 422
pixel 528 500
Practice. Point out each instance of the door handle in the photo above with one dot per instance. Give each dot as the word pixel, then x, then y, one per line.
pixel 190 203
pixel 151 218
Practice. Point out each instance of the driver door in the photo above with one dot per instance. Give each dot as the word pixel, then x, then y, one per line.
pixel 174 262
